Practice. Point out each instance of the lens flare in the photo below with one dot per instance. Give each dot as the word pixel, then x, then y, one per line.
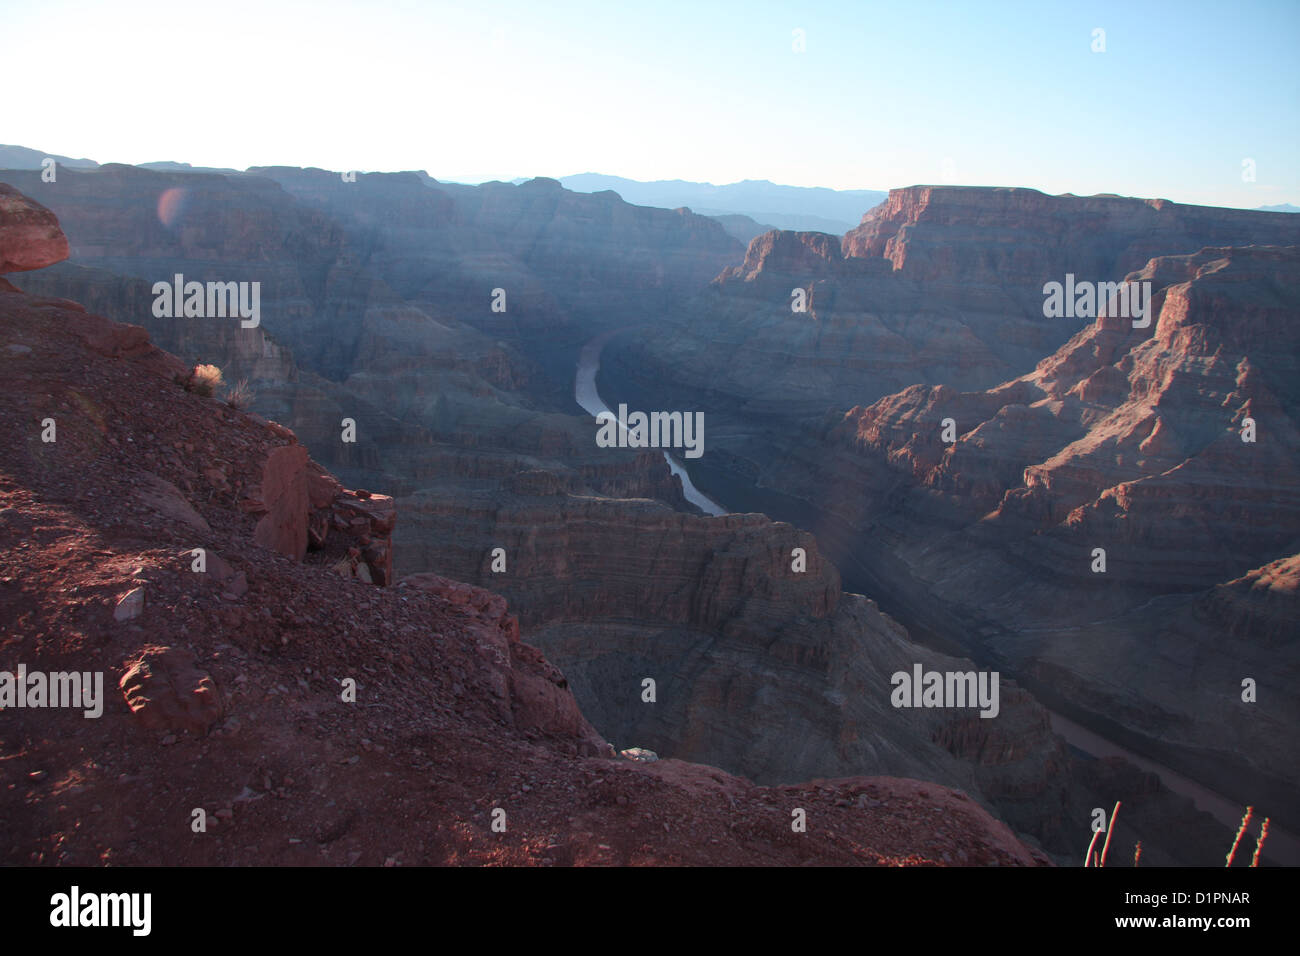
pixel 171 206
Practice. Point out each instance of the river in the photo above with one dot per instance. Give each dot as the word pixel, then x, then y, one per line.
pixel 585 394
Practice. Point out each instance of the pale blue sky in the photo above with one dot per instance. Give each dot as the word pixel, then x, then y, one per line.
pixel 884 94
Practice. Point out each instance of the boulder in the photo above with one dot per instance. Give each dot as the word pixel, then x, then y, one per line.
pixel 30 237
pixel 166 691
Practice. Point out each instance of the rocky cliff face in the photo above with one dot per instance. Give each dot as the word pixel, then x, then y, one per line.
pixel 939 285
pixel 571 264
pixel 759 668
pixel 1121 438
pixel 1025 238
pixel 264 696
pixel 317 296
pixel 1132 428
pixel 461 458
pixel 1145 399
pixel 346 332
pixel 377 309
pixel 1129 440
pixel 765 671
pixel 1261 605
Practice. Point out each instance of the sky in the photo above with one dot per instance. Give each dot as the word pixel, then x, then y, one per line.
pixel 1189 101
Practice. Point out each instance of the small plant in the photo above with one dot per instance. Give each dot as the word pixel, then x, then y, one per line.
pixel 240 395
pixel 204 380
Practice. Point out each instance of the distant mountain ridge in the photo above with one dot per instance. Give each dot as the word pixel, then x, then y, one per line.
pixel 765 204
pixel 803 208
pixel 21 157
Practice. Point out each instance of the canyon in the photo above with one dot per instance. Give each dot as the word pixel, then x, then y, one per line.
pixel 278 705
pixel 377 305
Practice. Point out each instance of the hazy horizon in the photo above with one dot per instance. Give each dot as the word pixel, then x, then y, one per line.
pixel 476 180
pixel 1186 106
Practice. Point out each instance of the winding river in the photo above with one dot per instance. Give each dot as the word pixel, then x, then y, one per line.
pixel 1282 846
pixel 584 392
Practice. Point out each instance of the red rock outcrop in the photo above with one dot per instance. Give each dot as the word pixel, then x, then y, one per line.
pixel 300 506
pixel 808 255
pixel 282 496
pixel 533 692
pixel 1134 429
pixel 1025 237
pixel 30 237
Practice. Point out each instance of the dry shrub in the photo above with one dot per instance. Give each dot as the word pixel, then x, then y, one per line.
pixel 240 395
pixel 204 380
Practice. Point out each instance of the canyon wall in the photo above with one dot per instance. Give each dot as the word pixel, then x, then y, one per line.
pixel 758 668
pixel 939 285
pixel 1070 435
pixel 424 378
pixel 1172 448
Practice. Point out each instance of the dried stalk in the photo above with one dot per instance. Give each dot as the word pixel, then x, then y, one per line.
pixel 1259 842
pixel 1245 822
